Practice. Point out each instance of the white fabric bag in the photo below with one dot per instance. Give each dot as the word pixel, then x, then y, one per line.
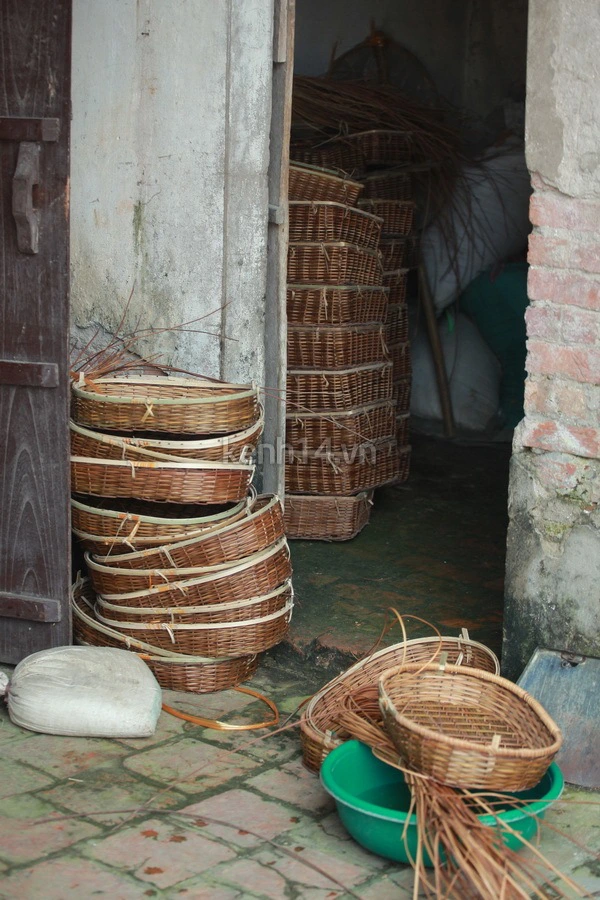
pixel 84 691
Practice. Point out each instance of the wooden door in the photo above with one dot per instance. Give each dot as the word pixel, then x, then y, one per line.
pixel 35 65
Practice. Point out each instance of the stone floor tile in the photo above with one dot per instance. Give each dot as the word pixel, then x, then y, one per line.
pixel 294 784
pixel 334 872
pixel 159 852
pixel 202 889
pixel 10 732
pixel 64 756
pixel 255 879
pixel 263 747
pixel 103 790
pixel 189 765
pixel 330 837
pixel 23 838
pixel 244 810
pixel 69 876
pixel 18 779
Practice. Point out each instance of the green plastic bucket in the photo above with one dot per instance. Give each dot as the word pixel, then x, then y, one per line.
pixel 373 800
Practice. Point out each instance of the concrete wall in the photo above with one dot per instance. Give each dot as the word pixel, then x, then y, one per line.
pixel 171 114
pixel 474 50
pixel 553 554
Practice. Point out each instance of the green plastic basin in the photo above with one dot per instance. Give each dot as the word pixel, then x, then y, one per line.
pixel 373 800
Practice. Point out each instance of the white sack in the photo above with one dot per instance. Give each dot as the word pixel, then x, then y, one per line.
pixel 85 691
pixel 473 372
pixel 490 221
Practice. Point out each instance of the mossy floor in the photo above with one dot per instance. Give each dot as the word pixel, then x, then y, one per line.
pixel 435 548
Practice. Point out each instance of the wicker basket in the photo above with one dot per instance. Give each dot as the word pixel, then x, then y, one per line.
pixel 344 305
pixel 318 390
pixel 332 263
pixel 338 155
pixel 393 251
pixel 191 481
pixel 237 447
pixel 359 468
pixel 381 147
pixel 402 394
pixel 161 403
pixel 313 183
pixel 403 430
pixel 334 431
pixel 326 221
pixel 397 215
pixel 335 347
pixel 396 282
pixel 210 639
pixel 391 184
pixel 253 576
pixel 467 728
pixel 261 528
pixel 139 523
pixel 326 518
pixel 401 359
pixel 318 724
pixel 396 330
pixel 403 463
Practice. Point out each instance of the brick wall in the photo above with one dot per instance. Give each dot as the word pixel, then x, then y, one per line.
pixel 562 396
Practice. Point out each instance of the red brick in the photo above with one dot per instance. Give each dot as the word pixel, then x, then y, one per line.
pixel 544 322
pixel 562 400
pixel 580 326
pixel 579 363
pixel 558 211
pixel 560 472
pixel 568 288
pixel 564 252
pixel 561 438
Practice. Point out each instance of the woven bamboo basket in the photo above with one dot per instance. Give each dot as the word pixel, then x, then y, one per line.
pixel 391 184
pixel 326 518
pixel 204 482
pixel 87 442
pixel 236 447
pixel 402 430
pixel 401 359
pixel 332 263
pixel 162 403
pixel 392 252
pixel 396 282
pixel 467 728
pixel 326 221
pixel 209 639
pixel 397 215
pixel 345 389
pixel 402 394
pixel 261 528
pixel 173 671
pixel 396 329
pixel 334 431
pixel 404 453
pixel 342 305
pixel 336 155
pixel 318 725
pixel 356 469
pixel 380 147
pixel 335 347
pixel 253 576
pixel 137 522
pixel 309 182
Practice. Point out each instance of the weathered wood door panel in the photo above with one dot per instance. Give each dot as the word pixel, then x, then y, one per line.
pixel 35 63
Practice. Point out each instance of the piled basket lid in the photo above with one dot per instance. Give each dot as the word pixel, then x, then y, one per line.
pixel 340 409
pixel 186 565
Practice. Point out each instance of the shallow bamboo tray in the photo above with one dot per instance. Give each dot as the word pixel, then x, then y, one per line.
pixel 396 329
pixel 344 389
pixel 317 304
pixel 318 725
pixel 253 576
pixel 397 215
pixel 326 518
pixel 332 263
pixel 401 359
pixel 390 184
pixel 334 430
pixel 335 347
pixel 327 221
pixel 204 482
pixel 261 528
pixel 467 728
pixel 356 469
pixel 162 403
pixel 308 182
pixel 236 447
pixel 149 524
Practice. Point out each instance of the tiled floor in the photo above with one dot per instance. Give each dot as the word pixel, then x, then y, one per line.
pixel 207 814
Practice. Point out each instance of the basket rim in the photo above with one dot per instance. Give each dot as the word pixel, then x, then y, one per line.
pixel 195 626
pixel 325 173
pixel 329 498
pixel 203 443
pixel 344 206
pixel 205 608
pixel 178 466
pixel 243 392
pixel 461 743
pixel 339 414
pixel 158 520
pixel 337 244
pixel 319 286
pixel 363 328
pixel 366 367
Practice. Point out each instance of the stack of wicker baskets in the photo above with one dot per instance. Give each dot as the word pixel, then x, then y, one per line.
pixel 340 420
pixel 187 566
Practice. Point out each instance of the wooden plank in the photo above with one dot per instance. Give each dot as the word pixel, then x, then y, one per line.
pixel 35 68
pixel 29 374
pixel 33 609
pixel 280 31
pixel 21 128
